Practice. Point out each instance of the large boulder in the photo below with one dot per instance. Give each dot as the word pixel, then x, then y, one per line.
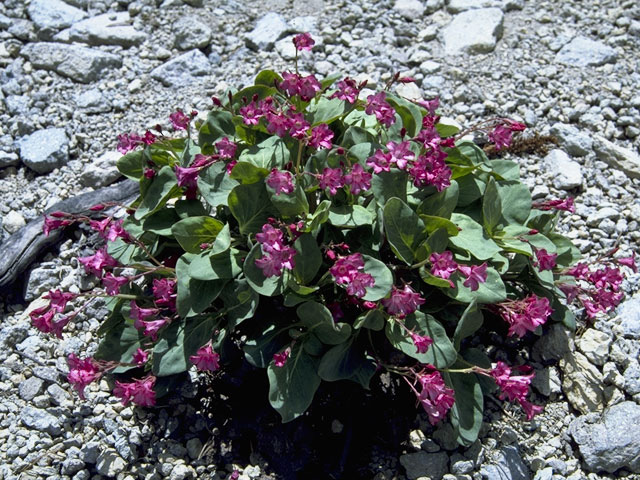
pixel 584 52
pixel 49 16
pixel 473 31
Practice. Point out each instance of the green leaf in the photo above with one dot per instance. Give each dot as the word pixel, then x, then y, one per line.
pixel 473 152
pixel 446 130
pixel 308 259
pixel 269 287
pixel 441 204
pixel 268 78
pixel 382 276
pixel 191 232
pixel 373 320
pixel 131 165
pixel 219 124
pixel 161 222
pixel 178 342
pixel 470 321
pixel 404 229
pixel 362 151
pixel 246 172
pixel 324 110
pixel 506 169
pixel 355 135
pixel 386 185
pixel 433 224
pixel 472 238
pixel 437 241
pixel 193 296
pixel 318 319
pixel 292 387
pixel 251 207
pixel 330 80
pixel 409 113
pixel 247 93
pixel 240 302
pixel 471 189
pixel 348 216
pixel 347 361
pixel 290 205
pixel 320 216
pixel 466 413
pixel 269 154
pixel 215 184
pixel 430 279
pixel 515 201
pixel 162 187
pixel 190 208
pixel 568 253
pixel 119 345
pixel 491 207
pixel 221 266
pixel 259 351
pixel 491 291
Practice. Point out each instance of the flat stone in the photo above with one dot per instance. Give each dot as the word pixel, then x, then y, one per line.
pixel 611 441
pixel 632 378
pixel 107 29
pixel 423 464
pixel 584 52
pixel 267 31
pixel 191 33
pixel 601 214
pixel 110 464
pixel 45 150
pixel 182 70
pixel 628 316
pixel 92 101
pixel 566 174
pixel 409 9
pixel 573 141
pixel 595 346
pixel 41 420
pixel 473 31
pixel 582 383
pixel 80 64
pixel 509 466
pixel 50 16
pixel 102 171
pixel 30 388
pixel 617 157
pixel 13 221
pixel 457 6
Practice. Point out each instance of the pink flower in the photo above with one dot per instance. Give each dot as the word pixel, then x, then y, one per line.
pixel 400 154
pixel 346 268
pixel 303 41
pixel 525 315
pixel 359 283
pixel 442 264
pixel 112 283
pixel 226 148
pixel 305 87
pixel 141 314
pixel 251 114
pixel 332 179
pixel 128 142
pixel 42 320
pixel 606 278
pixel 629 262
pixel 402 302
pixel 580 271
pixel 280 181
pixel 97 262
pixel 58 299
pixel 230 166
pixel 546 261
pixel 82 372
pixel 514 387
pixel 377 105
pixel 570 290
pixel 280 359
pixel 567 205
pixel 435 397
pixel 139 391
pixel 277 123
pixel 347 90
pixel 53 224
pixel 431 105
pixel 475 274
pixel 116 230
pixel 100 226
pixel 298 126
pixel 271 238
pixel 187 176
pixel 321 137
pixel 380 162
pixel 272 263
pixel 148 138
pixel 179 120
pixel 358 179
pixel 152 327
pixel 501 137
pixel 140 357
pixel 431 170
pixel 164 292
pixel 206 359
pixel 422 343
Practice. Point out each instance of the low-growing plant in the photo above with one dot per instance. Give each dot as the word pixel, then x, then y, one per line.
pixel 331 235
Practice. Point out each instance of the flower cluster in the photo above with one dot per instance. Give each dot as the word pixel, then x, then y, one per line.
pixel 276 255
pixel 43 317
pixel 349 271
pixel 434 396
pixel 443 266
pixel 515 388
pixel 206 359
pixel 139 391
pixel 82 372
pixel 402 302
pixel 524 315
pixel 502 134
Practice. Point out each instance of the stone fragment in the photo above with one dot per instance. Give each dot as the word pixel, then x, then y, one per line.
pixel 611 441
pixel 102 171
pixel 509 466
pixel 13 221
pixel 44 150
pixel 267 31
pixel 632 378
pixel 194 447
pixel 409 9
pixel 601 214
pixel 50 16
pixel 553 345
pixel 110 464
pixel 92 101
pixel 584 52
pixel 582 383
pixel 41 420
pixel 191 33
pixel 595 346
pixel 17 104
pixel 473 31
pixel 573 141
pixel 80 64
pixel 107 29
pixel 628 316
pixel 423 464
pixel 30 388
pixel 617 157
pixel 8 159
pixel 457 6
pixel 566 174
pixel 182 70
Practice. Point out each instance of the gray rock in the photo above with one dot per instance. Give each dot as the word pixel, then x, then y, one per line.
pixel 509 466
pixel 92 101
pixel 595 346
pixel 611 441
pixel 17 104
pixel 48 374
pixel 572 140
pixel 180 472
pixel 617 157
pixel 8 159
pixel 632 378
pixel 107 29
pixel 71 466
pixel 582 383
pixel 628 316
pixel 409 9
pixel 110 464
pixel 566 174
pixel 423 464
pixel 553 345
pixel 89 452
pixel 11 335
pixel 58 395
pixel 306 23
pixel 544 474
pixel 53 15
pixel 102 171
pixel 13 221
pixel 584 52
pixel 194 447
pixel 603 213
pixel 267 31
pixel 41 420
pixel 475 31
pixel 81 64
pixel 30 388
pixel 191 33
pixel 45 150
pixel 457 6
pixel 182 70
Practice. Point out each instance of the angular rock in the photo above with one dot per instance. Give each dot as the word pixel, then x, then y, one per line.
pixel 423 464
pixel 107 29
pixel 566 174
pixel 267 31
pixel 92 101
pixel 457 6
pixel 110 464
pixel 81 64
pixel 41 420
pixel 553 345
pixel 191 33
pixel 13 221
pixel 473 31
pixel 582 383
pixel 617 157
pixel 17 104
pixel 102 171
pixel 30 388
pixel 7 159
pixel 603 213
pixel 632 378
pixel 628 316
pixel 509 466
pixel 584 52
pixel 409 9
pixel 611 441
pixel 50 16
pixel 595 346
pixel 572 140
pixel 182 70
pixel 44 150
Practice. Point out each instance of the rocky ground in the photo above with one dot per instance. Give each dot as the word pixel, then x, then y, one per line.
pixel 76 74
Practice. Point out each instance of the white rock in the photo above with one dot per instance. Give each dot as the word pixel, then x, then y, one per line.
pixel 617 157
pixel 409 9
pixel 409 91
pixel 52 15
pixel 44 150
pixel 473 31
pixel 13 221
pixel 457 6
pixel 182 70
pixel 191 33
pixel 595 346
pixel 584 52
pixel 582 383
pixel 566 173
pixel 107 29
pixel 102 171
pixel 267 31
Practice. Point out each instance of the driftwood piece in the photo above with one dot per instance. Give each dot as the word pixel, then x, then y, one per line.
pixel 26 246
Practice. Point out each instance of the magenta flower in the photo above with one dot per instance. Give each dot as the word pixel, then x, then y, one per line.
pixel 58 299
pixel 431 170
pixel 525 315
pixel 629 262
pixel 346 268
pixel 303 41
pixel 357 287
pixel 164 292
pixel 152 327
pixel 380 162
pixel 278 123
pixel 116 230
pixel 305 87
pixel 251 114
pixel 546 261
pixel 179 120
pixel 113 283
pixel 148 138
pixel 377 105
pixel 226 148
pixel 141 314
pixel 514 387
pixel 272 263
pixel 321 137
pixel 402 302
pixel 443 265
pixel 140 357
pixel 501 137
pixel 128 142
pixel 347 90
pixel 42 320
pixel 82 372
pixel 580 271
pixel 358 179
pixel 332 179
pixel 51 223
pixel 100 226
pixel 280 181
pixel 431 105
pixel 567 205
pixel 422 343
pixel 271 238
pixel 280 359
pixel 97 262
pixel 435 397
pixel 400 154
pixel 206 359
pixel 139 392
pixel 475 274
pixel 298 126
pixel 187 176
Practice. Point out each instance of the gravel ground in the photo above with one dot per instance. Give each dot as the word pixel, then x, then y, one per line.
pixel 76 74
